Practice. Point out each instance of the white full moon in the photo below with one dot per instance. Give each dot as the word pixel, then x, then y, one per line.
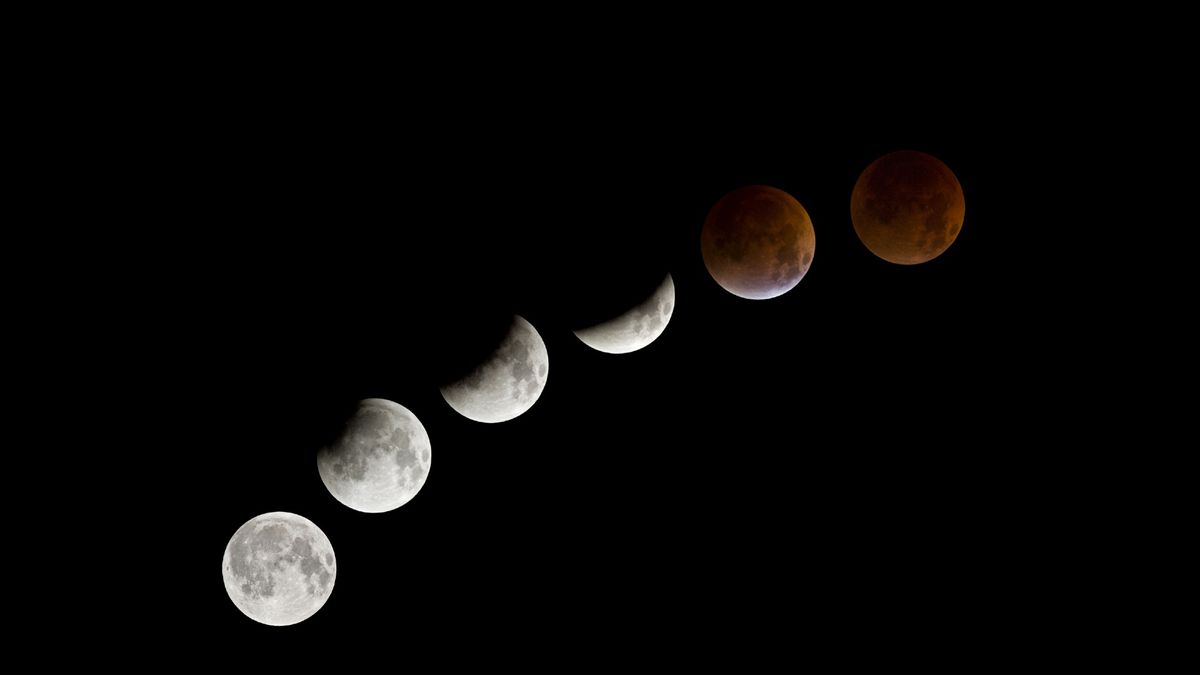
pixel 381 460
pixel 279 568
pixel 636 328
pixel 508 383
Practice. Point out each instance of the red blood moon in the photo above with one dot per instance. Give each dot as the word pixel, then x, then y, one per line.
pixel 757 242
pixel 907 207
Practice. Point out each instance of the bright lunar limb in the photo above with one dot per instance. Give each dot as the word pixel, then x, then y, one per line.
pixel 279 568
pixel 636 328
pixel 508 383
pixel 381 460
pixel 758 242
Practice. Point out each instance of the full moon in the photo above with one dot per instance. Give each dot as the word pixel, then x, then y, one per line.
pixel 757 242
pixel 636 328
pixel 381 460
pixel 907 207
pixel 279 568
pixel 508 383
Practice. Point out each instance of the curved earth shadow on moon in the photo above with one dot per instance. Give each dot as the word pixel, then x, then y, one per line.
pixel 636 328
pixel 508 383
pixel 757 242
pixel 381 460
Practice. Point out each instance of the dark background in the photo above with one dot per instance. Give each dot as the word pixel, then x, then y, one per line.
pixel 839 465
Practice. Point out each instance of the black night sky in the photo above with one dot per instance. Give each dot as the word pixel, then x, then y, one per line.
pixel 815 467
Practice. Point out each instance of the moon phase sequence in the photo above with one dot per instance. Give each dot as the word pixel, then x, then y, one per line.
pixel 758 242
pixel 279 568
pixel 508 383
pixel 381 460
pixel 636 328
pixel 907 207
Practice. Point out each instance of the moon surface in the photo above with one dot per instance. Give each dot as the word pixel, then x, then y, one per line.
pixel 508 383
pixel 758 242
pixel 279 568
pixel 907 207
pixel 636 328
pixel 381 459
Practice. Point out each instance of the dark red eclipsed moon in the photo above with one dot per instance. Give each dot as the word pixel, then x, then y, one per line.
pixel 907 207
pixel 757 242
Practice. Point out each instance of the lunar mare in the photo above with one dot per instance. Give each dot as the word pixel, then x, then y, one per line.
pixel 508 383
pixel 758 242
pixel 907 207
pixel 279 568
pixel 636 328
pixel 381 460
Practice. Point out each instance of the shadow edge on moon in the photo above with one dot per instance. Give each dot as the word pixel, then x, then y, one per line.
pixel 517 371
pixel 622 334
pixel 758 242
pixel 353 464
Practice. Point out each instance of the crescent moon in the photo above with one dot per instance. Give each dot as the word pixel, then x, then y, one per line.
pixel 508 383
pixel 636 328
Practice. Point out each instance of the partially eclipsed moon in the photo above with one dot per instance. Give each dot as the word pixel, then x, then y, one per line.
pixel 907 207
pixel 508 383
pixel 636 328
pixel 758 242
pixel 381 460
pixel 279 568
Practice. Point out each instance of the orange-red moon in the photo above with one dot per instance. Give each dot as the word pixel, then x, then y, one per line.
pixel 757 242
pixel 907 207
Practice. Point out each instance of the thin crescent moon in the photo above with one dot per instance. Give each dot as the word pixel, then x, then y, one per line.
pixel 636 328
